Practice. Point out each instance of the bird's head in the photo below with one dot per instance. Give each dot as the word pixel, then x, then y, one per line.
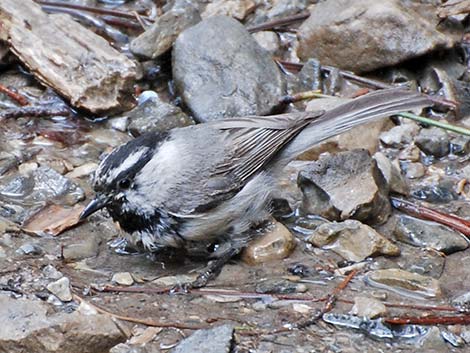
pixel 114 180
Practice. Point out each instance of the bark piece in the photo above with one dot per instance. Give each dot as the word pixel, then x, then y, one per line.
pixel 61 53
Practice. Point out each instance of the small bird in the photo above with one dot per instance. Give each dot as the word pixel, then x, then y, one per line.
pixel 204 188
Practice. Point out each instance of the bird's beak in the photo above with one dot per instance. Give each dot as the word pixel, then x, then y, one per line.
pixel 96 204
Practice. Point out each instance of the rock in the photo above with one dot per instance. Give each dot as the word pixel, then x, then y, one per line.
pixel 82 171
pixel 28 326
pixel 409 153
pixel 433 342
pixel 364 35
pixel 309 78
pixel 86 248
pixel 169 281
pixel 302 308
pixel 462 302
pixel 123 279
pixel 426 262
pixel 213 340
pixel 92 76
pixel 127 348
pixel 220 71
pixel 352 240
pixel 279 286
pixel 41 186
pixel 365 136
pixel 405 283
pixel 415 170
pixel 441 193
pixel 268 40
pixel 30 249
pixel 237 9
pixel 276 243
pixel 428 234
pixel 51 272
pixel 279 8
pixel 368 307
pixel 392 174
pixel 153 114
pixel 159 38
pixel 345 185
pixel 433 141
pixel 459 145
pixel 399 135
pixel 61 289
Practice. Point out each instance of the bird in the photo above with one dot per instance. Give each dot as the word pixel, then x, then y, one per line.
pixel 205 188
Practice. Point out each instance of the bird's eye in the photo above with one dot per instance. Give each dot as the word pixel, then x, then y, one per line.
pixel 124 183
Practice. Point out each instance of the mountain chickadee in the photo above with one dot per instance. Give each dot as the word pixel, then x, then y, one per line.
pixel 212 183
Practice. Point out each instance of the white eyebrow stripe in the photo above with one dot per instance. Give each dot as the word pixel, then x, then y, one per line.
pixel 132 159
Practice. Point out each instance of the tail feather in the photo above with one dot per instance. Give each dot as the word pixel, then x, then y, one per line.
pixel 372 106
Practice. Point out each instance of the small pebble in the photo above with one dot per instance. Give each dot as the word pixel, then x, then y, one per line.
pixel 61 289
pixel 123 278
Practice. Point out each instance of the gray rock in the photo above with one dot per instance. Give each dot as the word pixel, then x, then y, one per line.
pixel 61 289
pixel 30 249
pixel 462 302
pixel 428 234
pixel 345 185
pixel 220 71
pixel 153 114
pixel 237 9
pixel 29 326
pixel 51 272
pixel 433 141
pixel 404 282
pixel 309 78
pixel 415 170
pixel 159 38
pixel 36 189
pixel 88 247
pixel 352 240
pixel 364 35
pixel 399 135
pixel 214 340
pixel 391 174
pixel 273 9
pixel 268 40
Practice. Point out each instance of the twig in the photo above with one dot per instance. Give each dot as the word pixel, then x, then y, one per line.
pixel 330 301
pixel 430 320
pixel 91 9
pixel 22 100
pixel 292 98
pixel 440 124
pixel 454 222
pixel 279 22
pixel 296 67
pixel 252 295
pixel 142 321
pixel 34 111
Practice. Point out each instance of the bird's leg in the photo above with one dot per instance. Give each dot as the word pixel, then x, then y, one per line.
pixel 213 268
pixel 211 271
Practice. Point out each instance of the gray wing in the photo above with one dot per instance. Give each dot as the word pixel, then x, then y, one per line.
pixel 236 150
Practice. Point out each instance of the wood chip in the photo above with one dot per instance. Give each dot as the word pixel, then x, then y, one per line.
pixel 53 220
pixel 61 53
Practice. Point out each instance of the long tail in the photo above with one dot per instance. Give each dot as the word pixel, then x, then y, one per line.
pixel 372 106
